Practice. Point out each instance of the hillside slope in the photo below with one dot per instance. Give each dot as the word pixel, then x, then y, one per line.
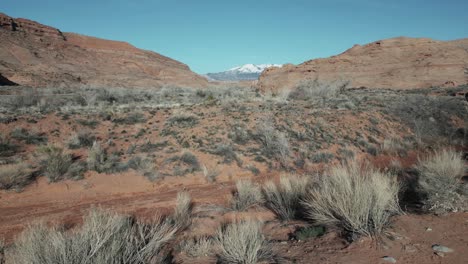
pixel 401 63
pixel 36 55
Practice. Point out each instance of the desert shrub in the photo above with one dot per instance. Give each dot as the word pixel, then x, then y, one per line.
pixel 131 119
pixel 185 163
pixel 56 163
pixel 6 147
pixel 148 146
pixel 310 89
pixel 274 143
pixel 98 160
pixel 198 247
pixel 28 137
pixel 322 157
pixel 182 120
pixel 15 176
pixel 239 135
pixel 439 180
pixel 358 199
pixel 430 117
pixel 309 232
pixel 394 146
pixel 228 153
pixel 243 242
pixel 247 194
pixel 210 173
pixel 285 198
pixel 81 139
pixel 183 210
pixel 145 166
pixel 105 237
pixel 77 170
pixel 88 122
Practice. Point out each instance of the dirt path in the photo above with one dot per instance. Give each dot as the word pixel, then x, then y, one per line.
pixel 67 201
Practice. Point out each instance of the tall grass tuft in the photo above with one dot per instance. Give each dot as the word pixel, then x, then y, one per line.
pixel 355 197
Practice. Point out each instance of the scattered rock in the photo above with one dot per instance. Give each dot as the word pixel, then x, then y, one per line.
pixel 389 259
pixel 428 229
pixel 443 249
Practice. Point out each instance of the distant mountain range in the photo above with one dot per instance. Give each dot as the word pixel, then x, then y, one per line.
pixel 241 73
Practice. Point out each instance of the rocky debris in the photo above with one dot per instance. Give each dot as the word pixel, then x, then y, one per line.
pixel 36 55
pixel 401 63
pixel 441 249
pixel 389 259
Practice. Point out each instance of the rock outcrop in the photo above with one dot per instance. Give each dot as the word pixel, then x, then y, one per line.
pixel 36 55
pixel 401 63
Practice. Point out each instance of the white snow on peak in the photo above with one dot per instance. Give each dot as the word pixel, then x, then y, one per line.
pixel 253 68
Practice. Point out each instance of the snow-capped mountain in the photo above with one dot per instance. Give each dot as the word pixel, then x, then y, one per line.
pixel 245 72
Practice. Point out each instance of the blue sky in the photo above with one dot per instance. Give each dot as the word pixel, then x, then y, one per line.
pixel 215 35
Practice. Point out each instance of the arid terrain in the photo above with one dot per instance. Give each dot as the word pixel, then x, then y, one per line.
pixel 227 167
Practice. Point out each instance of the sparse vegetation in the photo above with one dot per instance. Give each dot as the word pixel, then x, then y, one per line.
pixel 98 160
pixel 131 119
pixel 56 163
pixel 105 237
pixel 311 89
pixel 28 137
pixel 145 166
pixel 285 198
pixel 274 143
pixel 183 210
pixel 81 139
pixel 247 194
pixel 182 120
pixel 198 247
pixel 308 232
pixel 243 242
pixel 439 180
pixel 228 153
pixel 354 197
pixel 15 176
pixel 6 147
pixel 210 173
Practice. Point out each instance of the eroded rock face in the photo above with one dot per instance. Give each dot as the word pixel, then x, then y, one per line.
pixel 36 55
pixel 401 63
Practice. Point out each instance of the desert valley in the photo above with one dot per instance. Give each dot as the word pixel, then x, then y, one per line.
pixel 114 154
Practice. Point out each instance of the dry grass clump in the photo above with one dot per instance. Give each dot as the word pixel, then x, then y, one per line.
pixel 440 179
pixel 274 143
pixel 81 139
pixel 285 198
pixel 56 163
pixel 105 237
pixel 395 146
pixel 28 137
pixel 183 210
pixel 98 160
pixel 6 147
pixel 243 242
pixel 15 176
pixel 247 194
pixel 144 165
pixel 198 247
pixel 357 198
